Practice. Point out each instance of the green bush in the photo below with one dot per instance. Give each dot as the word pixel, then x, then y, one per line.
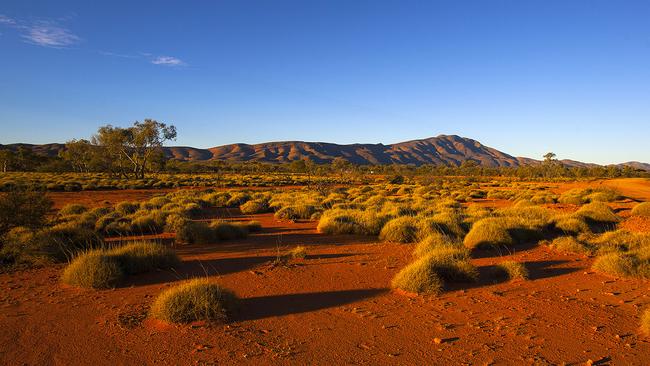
pixel 23 208
pixel 196 299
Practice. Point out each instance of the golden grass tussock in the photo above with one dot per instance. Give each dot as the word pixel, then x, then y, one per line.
pixel 598 212
pixel 105 268
pixel 571 224
pixel 400 230
pixel 645 322
pixel 254 207
pixel 299 252
pixel 512 270
pixel 437 241
pixel 428 274
pixel 197 299
pixel 642 209
pixel 570 244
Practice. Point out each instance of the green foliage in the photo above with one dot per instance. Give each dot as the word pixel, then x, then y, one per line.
pixel 25 208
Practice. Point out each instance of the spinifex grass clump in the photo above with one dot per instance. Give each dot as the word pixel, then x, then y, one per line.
pixel 400 230
pixel 512 270
pixel 428 274
pixel 645 322
pixel 623 254
pixel 598 213
pixel 197 299
pixel 642 209
pixel 200 232
pixel 105 268
pixel 254 207
pixel 570 244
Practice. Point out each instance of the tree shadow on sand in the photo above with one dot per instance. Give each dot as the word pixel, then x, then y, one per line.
pixel 261 307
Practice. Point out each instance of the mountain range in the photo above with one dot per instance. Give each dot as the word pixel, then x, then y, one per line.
pixel 439 150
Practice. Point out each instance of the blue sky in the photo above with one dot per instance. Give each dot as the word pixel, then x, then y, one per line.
pixel 525 77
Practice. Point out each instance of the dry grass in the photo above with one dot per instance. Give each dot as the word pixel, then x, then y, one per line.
pixel 642 209
pixel 645 322
pixel 299 252
pixel 598 212
pixel 400 230
pixel 427 275
pixel 105 268
pixel 197 299
pixel 512 270
pixel 570 244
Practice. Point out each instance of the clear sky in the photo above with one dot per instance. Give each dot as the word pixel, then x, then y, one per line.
pixel 525 77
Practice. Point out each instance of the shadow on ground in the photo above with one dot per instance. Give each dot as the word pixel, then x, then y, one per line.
pixel 279 305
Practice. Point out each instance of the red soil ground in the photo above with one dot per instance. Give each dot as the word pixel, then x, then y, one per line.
pixel 334 307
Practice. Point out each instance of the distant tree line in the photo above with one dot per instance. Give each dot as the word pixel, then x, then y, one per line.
pixel 134 151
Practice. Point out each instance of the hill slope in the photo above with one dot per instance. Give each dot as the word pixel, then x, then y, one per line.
pixel 440 150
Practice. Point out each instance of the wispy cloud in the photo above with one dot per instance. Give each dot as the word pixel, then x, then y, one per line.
pixel 48 34
pixel 167 61
pixel 6 20
pixel 52 33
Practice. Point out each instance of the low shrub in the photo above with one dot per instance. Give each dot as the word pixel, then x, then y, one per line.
pixel 498 231
pixel 197 299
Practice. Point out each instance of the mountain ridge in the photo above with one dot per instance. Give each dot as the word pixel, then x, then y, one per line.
pixel 438 150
